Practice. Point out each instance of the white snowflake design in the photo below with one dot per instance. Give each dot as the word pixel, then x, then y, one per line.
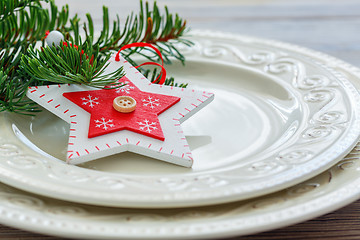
pixel 105 124
pixel 147 126
pixel 90 100
pixel 151 102
pixel 125 89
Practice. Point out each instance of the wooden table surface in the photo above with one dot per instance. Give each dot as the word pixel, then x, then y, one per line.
pixel 329 26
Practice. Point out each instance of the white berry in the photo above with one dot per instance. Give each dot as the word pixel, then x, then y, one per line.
pixel 54 37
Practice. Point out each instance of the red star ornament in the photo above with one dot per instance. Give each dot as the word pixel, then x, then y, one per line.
pixel 105 119
pixel 97 130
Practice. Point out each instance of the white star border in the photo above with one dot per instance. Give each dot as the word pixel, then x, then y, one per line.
pixel 173 149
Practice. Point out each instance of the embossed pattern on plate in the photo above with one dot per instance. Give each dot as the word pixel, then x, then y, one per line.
pixel 280 117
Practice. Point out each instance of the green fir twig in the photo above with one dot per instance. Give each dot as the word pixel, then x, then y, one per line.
pixel 69 64
pixel 148 26
pixel 12 96
pixel 23 23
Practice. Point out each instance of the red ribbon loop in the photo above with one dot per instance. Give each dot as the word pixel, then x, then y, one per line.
pixel 163 71
pixel 141 44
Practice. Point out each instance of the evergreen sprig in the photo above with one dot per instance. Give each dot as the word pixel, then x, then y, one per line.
pixel 148 26
pixel 8 7
pixel 23 23
pixel 69 63
pixel 12 96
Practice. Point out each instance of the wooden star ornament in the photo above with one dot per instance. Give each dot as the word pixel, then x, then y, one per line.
pixel 139 117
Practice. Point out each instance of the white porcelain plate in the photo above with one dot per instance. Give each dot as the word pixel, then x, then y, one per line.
pixel 326 192
pixel 280 116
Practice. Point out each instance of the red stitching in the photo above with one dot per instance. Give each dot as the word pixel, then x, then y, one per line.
pixel 78 154
pixel 57 106
pixel 108 145
pixel 70 151
pixel 186 145
pixel 86 151
pixel 72 129
pixel 33 91
pixel 66 111
pixel 205 96
pixel 70 143
pixel 194 105
pixel 73 116
pixel 176 125
pixel 182 156
pixel 160 149
pixel 175 119
pixel 127 140
pixel 50 100
pixel 118 143
pixel 200 100
pixel 190 158
pixel 42 96
pixel 181 114
pixel 97 148
pixel 72 136
pixel 59 85
pixel 71 155
pixel 180 132
pixel 149 145
pixel 183 138
pixel 74 122
pixel 137 143
pixel 187 109
pixel 47 86
pixel 172 152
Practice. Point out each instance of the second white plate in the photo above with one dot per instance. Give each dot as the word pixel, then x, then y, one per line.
pixel 279 117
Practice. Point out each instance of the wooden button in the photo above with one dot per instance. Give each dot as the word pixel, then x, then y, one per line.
pixel 124 104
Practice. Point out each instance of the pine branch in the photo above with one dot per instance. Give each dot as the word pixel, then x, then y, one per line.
pixel 25 22
pixel 12 96
pixel 148 26
pixel 22 24
pixel 69 64
pixel 8 7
